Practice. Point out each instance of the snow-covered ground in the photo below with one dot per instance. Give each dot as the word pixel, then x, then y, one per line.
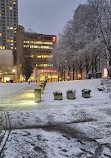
pixel 79 128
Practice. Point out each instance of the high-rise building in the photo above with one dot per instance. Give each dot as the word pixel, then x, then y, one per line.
pixel 8 23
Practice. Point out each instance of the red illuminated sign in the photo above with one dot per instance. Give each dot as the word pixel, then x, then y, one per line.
pixel 54 38
pixel 48 70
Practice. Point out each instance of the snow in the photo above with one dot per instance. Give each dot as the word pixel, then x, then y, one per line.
pixel 56 128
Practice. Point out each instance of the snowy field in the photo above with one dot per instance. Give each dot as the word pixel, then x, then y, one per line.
pixel 79 128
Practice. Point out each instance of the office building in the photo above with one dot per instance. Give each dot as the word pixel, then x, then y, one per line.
pixel 8 23
pixel 40 47
pixel 7 70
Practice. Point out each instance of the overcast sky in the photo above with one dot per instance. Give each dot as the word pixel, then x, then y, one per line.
pixel 46 16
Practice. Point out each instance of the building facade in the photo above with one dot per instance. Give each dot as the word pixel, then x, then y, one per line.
pixel 8 23
pixel 40 47
pixel 7 70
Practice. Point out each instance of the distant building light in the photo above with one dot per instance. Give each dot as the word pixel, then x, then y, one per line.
pixel 105 73
pixel 11 28
pixel 13 70
pixel 10 8
pixel 54 38
pixel 2 47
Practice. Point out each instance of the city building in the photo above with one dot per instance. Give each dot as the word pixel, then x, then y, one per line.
pixel 8 23
pixel 7 70
pixel 40 47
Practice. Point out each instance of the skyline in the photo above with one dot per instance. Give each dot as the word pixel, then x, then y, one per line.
pixel 47 17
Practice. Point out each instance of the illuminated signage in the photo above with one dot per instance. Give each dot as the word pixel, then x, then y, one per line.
pixel 48 70
pixel 54 38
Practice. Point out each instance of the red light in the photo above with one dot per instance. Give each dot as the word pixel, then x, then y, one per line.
pixel 48 70
pixel 54 38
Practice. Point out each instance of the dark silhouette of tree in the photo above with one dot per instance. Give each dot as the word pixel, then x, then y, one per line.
pixel 27 67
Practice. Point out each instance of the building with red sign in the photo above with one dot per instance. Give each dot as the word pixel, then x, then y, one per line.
pixel 40 47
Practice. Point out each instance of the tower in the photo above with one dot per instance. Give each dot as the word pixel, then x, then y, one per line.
pixel 8 23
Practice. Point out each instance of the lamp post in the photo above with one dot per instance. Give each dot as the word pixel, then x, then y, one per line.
pixel 3 74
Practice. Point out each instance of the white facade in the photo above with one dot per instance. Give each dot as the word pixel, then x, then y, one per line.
pixel 6 58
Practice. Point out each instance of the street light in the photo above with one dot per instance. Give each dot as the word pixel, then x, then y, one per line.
pixel 13 70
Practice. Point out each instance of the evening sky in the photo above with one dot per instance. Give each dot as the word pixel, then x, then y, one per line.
pixel 46 16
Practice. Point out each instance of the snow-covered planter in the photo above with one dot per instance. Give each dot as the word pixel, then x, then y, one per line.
pixel 37 93
pixel 71 94
pixel 41 86
pixel 86 93
pixel 58 95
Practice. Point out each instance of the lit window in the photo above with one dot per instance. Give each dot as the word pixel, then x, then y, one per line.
pixel 51 65
pixel 0 34
pixel 40 42
pixel 44 65
pixel 40 47
pixel 32 46
pixel 10 8
pixel 11 28
pixel 44 56
pixel 39 56
pixel 2 47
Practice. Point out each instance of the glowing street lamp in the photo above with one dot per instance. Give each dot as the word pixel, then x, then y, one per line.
pixel 13 70
pixel 79 76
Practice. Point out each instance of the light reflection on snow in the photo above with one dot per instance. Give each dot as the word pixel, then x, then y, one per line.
pixel 27 96
pixel 28 103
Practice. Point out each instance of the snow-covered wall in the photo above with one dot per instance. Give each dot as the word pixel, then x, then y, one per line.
pixel 6 58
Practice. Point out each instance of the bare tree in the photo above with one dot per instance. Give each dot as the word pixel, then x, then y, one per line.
pixel 102 9
pixel 80 47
